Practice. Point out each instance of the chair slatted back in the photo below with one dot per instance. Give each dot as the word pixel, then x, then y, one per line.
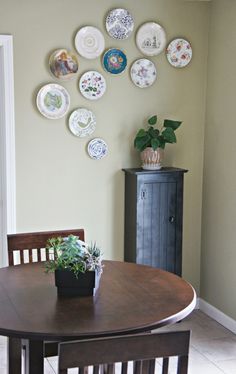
pixel 141 349
pixel 28 243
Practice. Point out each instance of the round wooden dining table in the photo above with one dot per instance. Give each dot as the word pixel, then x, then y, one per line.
pixel 131 298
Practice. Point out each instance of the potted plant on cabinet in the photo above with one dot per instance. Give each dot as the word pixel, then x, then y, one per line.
pixel 151 142
pixel 77 266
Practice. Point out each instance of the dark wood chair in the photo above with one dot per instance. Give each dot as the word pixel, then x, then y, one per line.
pixel 141 349
pixel 30 247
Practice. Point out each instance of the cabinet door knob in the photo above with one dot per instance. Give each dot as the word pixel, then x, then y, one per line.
pixel 171 219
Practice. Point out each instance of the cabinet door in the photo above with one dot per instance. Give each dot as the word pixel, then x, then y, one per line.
pixel 156 228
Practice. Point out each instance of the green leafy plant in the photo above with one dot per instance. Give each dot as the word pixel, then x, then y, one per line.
pixel 72 254
pixel 154 137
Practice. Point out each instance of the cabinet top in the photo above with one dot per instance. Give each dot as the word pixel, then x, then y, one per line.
pixel 161 171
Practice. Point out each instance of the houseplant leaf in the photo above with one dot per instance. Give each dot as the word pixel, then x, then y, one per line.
pixel 152 120
pixel 169 135
pixel 162 141
pixel 168 123
pixel 142 142
pixel 141 133
pixel 155 144
pixel 153 132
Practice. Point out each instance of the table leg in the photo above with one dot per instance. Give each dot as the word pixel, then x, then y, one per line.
pixel 14 356
pixel 34 358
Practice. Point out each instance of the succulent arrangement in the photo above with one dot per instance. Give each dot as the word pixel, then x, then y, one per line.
pixel 74 255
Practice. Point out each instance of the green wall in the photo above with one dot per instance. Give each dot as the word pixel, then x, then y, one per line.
pixel 58 185
pixel 218 275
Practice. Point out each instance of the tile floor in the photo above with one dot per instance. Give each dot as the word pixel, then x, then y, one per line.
pixel 212 350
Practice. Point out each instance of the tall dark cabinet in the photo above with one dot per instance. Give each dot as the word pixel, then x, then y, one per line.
pixel 153 217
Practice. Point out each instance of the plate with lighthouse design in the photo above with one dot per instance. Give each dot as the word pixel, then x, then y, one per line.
pixel 151 39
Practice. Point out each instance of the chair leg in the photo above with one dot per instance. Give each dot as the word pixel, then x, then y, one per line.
pixel 14 356
pixel 34 362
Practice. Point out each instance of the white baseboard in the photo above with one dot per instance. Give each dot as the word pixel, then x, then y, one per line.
pixel 197 303
pixel 217 315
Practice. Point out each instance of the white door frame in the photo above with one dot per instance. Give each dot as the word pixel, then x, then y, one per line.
pixel 7 146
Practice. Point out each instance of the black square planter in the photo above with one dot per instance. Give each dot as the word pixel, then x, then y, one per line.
pixel 68 285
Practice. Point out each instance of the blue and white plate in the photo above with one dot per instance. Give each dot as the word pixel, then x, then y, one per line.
pixel 119 23
pixel 114 61
pixel 97 148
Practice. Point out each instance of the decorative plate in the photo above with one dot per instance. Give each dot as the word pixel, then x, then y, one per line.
pixel 114 61
pixel 119 23
pixel 53 101
pixel 179 53
pixel 82 122
pixel 97 148
pixel 63 64
pixel 143 73
pixel 92 85
pixel 89 42
pixel 151 39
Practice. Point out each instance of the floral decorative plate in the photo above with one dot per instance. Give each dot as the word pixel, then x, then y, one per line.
pixel 82 122
pixel 114 61
pixel 179 53
pixel 53 101
pixel 92 85
pixel 89 42
pixel 97 148
pixel 119 23
pixel 63 64
pixel 151 39
pixel 143 73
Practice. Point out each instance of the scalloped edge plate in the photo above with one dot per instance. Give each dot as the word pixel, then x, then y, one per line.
pixel 95 42
pixel 53 101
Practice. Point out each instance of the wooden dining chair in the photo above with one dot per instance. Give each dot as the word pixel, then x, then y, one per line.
pixel 141 349
pixel 31 247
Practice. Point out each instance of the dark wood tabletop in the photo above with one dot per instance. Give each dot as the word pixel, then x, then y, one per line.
pixel 131 298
